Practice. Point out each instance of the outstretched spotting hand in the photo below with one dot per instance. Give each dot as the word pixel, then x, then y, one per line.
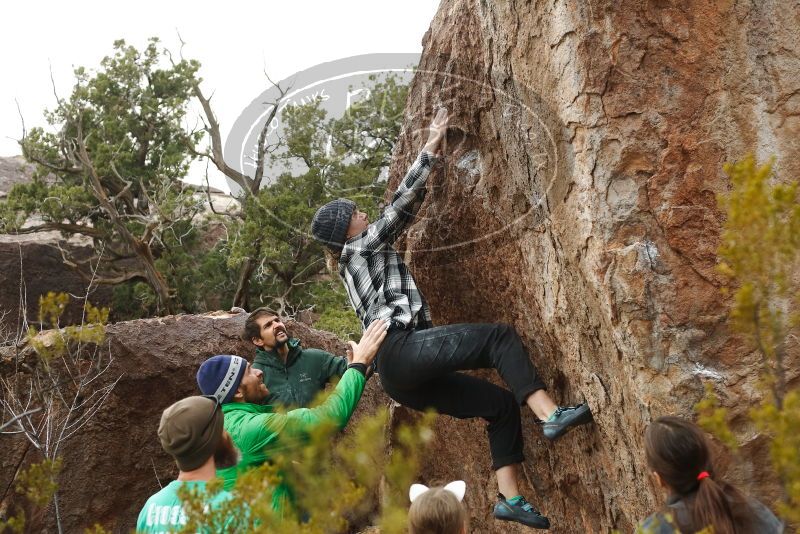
pixel 365 350
pixel 438 129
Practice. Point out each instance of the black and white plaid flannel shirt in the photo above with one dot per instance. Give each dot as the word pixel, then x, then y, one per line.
pixel 377 279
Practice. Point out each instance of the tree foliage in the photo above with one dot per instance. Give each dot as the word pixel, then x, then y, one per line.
pixel 110 168
pixel 334 483
pixel 318 159
pixel 38 485
pixel 760 254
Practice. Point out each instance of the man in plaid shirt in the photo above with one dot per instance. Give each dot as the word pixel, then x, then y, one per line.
pixel 373 272
pixel 417 362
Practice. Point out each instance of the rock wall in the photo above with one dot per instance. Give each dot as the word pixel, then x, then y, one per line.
pixel 577 202
pixel 112 466
pixel 42 270
pixel 39 259
pixel 13 170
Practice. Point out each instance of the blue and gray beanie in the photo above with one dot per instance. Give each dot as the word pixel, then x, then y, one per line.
pixel 221 375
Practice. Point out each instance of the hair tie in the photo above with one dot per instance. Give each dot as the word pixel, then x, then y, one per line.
pixel 703 475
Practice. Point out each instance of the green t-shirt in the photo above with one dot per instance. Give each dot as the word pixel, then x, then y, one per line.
pixel 163 512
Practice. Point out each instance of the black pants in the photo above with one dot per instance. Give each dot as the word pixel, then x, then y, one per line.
pixel 418 370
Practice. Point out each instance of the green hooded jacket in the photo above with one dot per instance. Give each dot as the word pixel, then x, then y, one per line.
pixel 259 432
pixel 301 378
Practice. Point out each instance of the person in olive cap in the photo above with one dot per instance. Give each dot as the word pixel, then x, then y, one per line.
pixel 419 363
pixel 192 432
pixel 293 374
pixel 257 430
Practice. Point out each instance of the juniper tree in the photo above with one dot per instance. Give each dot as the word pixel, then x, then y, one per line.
pixel 317 158
pixel 760 257
pixel 109 167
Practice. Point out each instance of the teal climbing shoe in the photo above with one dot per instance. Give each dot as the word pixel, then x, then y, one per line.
pixel 565 419
pixel 520 511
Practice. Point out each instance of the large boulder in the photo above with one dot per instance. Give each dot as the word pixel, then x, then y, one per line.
pixel 116 462
pixel 31 265
pixel 577 202
pixel 13 170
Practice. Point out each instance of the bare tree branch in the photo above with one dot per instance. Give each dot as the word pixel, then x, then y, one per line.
pixel 62 227
pixel 213 132
pixel 94 277
pixel 141 248
pixel 125 193
pixel 30 156
pixel 22 120
pixel 53 82
pixel 261 148
pixel 17 418
pixel 211 202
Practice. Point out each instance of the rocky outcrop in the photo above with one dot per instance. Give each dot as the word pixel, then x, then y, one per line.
pixel 13 170
pixel 116 462
pixel 577 202
pixel 31 265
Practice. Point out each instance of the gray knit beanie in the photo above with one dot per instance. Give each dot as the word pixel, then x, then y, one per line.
pixel 331 221
pixel 190 430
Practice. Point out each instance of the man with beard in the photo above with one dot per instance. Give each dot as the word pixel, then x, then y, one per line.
pixel 293 375
pixel 191 431
pixel 257 430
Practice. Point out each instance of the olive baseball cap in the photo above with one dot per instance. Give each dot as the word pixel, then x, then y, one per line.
pixel 190 431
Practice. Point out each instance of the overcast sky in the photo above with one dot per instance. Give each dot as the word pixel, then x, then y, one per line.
pixel 233 40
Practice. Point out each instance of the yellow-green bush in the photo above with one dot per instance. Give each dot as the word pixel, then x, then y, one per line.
pixel 45 401
pixel 334 483
pixel 760 257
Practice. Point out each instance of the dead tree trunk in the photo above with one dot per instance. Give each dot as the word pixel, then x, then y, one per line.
pixel 250 186
pixel 241 297
pixel 140 246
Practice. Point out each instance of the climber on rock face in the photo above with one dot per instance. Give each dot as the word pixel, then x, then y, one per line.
pixel 418 362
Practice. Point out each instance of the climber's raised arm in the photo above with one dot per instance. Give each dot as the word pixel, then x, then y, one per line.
pixel 339 221
pixel 411 190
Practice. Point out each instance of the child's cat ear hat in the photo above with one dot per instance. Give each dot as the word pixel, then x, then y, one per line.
pixel 457 488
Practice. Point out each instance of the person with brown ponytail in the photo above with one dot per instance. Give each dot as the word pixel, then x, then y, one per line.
pixel 679 456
